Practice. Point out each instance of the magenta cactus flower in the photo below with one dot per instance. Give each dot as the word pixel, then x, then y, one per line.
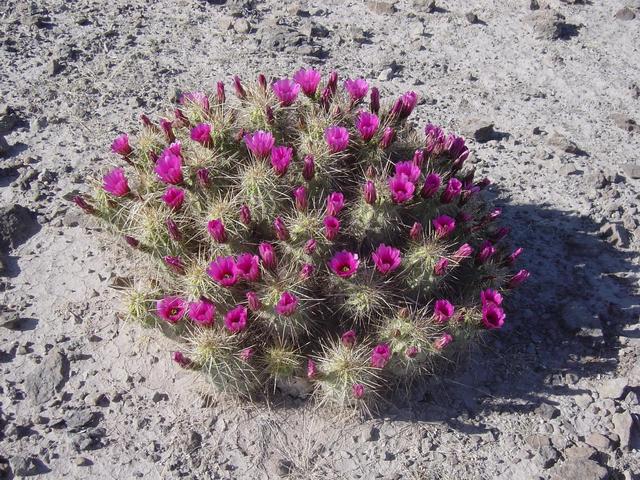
pixel 310 246
pixel 308 170
pixel 307 271
pixel 267 254
pixel 174 263
pixel 348 338
pixel 357 390
pixel 337 138
pixel 202 312
pixel 493 316
pixel 335 203
pixel 380 355
pixel 367 125
pixel 453 189
pixel 201 133
pixel 286 90
pixel 485 252
pixel 490 297
pixel 216 230
pixel 431 185
pixel 260 143
pixel 415 233
pixel 386 259
pixel 236 319
pixel 121 145
pixel 116 183
pixel 511 259
pixel 404 105
pixel 388 137
pixel 223 271
pixel 169 165
pixel 444 225
pixel 401 189
pixel 300 197
pixel 280 159
pixel 442 342
pixel 171 309
pixel 464 251
pixel 357 89
pixel 198 98
pixel 440 268
pixel 418 158
pixel 173 197
pixel 344 264
pixel 435 139
pixel 331 227
pixel 308 79
pixel 374 100
pixel 253 301
pixel 518 278
pixel 443 311
pixel 409 169
pixel 246 354
pixel 287 305
pixel 248 267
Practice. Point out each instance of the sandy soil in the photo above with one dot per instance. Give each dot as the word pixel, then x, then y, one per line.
pixel 549 98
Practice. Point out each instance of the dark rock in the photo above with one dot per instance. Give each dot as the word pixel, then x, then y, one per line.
pixel 599 441
pixel 77 420
pixel 471 17
pixel 54 67
pixel 389 456
pixel 4 146
pixel 159 397
pixel 579 469
pixel 479 128
pixel 547 456
pixel 285 467
pixel 8 119
pixel 615 233
pixel 17 224
pixel 381 7
pixel 10 320
pixel 631 170
pixel 48 377
pixel 625 13
pixel 546 411
pixel 374 435
pixel 25 466
pixel 534 5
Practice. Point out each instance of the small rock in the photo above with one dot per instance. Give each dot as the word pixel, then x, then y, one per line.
pixel 579 452
pixel 389 456
pixel 547 456
pixel 537 441
pixel 480 129
pixel 583 400
pixel 561 143
pixel 159 397
pixel 54 67
pixel 381 8
pixel 599 441
pixel 471 17
pixel 17 224
pixel 613 388
pixel 25 466
pixel 579 469
pixel 631 170
pixel 8 119
pixel 386 74
pixel 625 13
pixel 285 467
pixel 546 411
pixel 374 435
pixel 10 320
pixel 597 180
pixel 4 146
pixel 48 377
pixel 546 24
pixel 622 425
pixel 428 6
pixel 76 420
pixel 83 462
pixel 534 5
pixel 242 26
pixel 625 122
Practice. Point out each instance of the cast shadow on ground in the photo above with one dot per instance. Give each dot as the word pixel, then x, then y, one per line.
pixel 562 325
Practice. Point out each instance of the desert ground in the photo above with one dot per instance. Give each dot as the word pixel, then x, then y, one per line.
pixel 547 93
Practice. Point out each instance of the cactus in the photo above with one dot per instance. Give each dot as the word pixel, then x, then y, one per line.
pixel 302 231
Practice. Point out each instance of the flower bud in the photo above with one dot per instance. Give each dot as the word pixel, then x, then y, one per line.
pixel 237 85
pixel 281 229
pixel 348 338
pixel 267 254
pixel 357 390
pixel 245 215
pixel 416 231
pixel 254 302
pixel 306 271
pixel 375 100
pixel 262 81
pixel 181 359
pixel 308 170
pixel 82 203
pixel 310 246
pixel 132 242
pixel 370 195
pixel 174 233
pixel 220 95
pixel 246 354
pixel 202 176
pixel 167 129
pixel 387 137
pixel 300 196
pixel 411 352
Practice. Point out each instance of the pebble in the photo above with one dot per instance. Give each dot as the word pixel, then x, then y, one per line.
pixel 83 461
pixel 622 425
pixel 242 26
pixel 599 441
pixel 471 17
pixel 613 388
pixel 381 8
pixel 579 452
pixel 546 411
pixel 481 129
pixel 631 170
pixel 625 13
pixel 625 122
pixel 561 143
pixel 579 469
pixel 48 377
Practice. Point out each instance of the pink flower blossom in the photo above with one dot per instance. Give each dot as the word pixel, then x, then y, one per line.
pixel 344 264
pixel 404 105
pixel 370 195
pixel 197 98
pixel 121 145
pixel 216 230
pixel 367 125
pixel 236 319
pixel 375 100
pixel 331 227
pixel 357 390
pixel 300 197
pixel 306 271
pixel 409 170
pixel 174 231
pixel 337 138
pixel 348 338
pixel 171 309
pixel 174 263
pixel 286 90
pixel 335 203
pixel 387 137
pixel 401 189
pixel 280 159
pixel 287 304
pixel 387 259
pixel 223 271
pixel 312 370
pixel 247 267
pixel 511 259
pixel 281 229
pixel 418 158
pixel 310 246
pixel 259 143
pixel 435 139
pixel 493 316
pixel 202 312
pixel 454 186
pixel 490 297
pixel 202 175
pixel 440 268
pixel 173 197
pixel 201 133
pixel 246 354
pixel 169 165
pixel 308 80
pixel 267 254
pixel 416 231
pixel 443 341
pixel 380 355
pixel 245 215
pixel 116 183
pixel 357 88
pixel 518 278
pixel 431 185
pixel 444 225
pixel 253 301
pixel 464 251
pixel 485 252
pixel 308 169
pixel 443 311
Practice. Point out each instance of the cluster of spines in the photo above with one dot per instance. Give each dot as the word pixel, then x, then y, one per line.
pixel 316 227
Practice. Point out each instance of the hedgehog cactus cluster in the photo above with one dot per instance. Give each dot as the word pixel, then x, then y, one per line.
pixel 301 230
